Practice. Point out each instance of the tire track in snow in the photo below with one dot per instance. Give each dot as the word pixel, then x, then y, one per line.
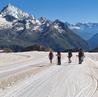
pixel 89 90
pixel 23 66
pixel 54 82
pixel 36 81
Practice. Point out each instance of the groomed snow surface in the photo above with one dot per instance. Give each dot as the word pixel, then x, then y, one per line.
pixel 29 74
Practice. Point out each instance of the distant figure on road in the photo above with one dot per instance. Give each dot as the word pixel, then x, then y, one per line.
pixel 58 58
pixel 81 56
pixel 50 56
pixel 69 56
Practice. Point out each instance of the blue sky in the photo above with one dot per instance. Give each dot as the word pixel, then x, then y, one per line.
pixel 66 10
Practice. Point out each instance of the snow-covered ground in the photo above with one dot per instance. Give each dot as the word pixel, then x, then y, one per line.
pixel 30 74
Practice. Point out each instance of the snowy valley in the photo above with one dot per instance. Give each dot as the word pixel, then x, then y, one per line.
pixel 29 74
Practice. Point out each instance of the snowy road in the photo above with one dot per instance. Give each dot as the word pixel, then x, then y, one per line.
pixel 18 63
pixel 67 80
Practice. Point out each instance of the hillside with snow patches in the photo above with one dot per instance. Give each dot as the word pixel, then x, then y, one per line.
pixel 29 74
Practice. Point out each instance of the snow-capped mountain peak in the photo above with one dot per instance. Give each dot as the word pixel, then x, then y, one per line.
pixel 13 11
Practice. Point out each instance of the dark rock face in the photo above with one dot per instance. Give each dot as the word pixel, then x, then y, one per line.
pixel 36 47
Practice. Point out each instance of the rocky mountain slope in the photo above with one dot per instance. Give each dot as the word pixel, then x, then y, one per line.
pixel 84 30
pixel 20 30
pixel 93 42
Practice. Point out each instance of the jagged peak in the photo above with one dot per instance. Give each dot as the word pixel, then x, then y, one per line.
pixel 57 21
pixel 60 24
pixel 8 6
pixel 14 11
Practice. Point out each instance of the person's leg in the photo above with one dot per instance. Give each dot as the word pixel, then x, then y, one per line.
pixel 79 60
pixel 69 60
pixel 59 61
pixel 51 61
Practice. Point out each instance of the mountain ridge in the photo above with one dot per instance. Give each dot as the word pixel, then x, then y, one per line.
pixel 85 30
pixel 27 31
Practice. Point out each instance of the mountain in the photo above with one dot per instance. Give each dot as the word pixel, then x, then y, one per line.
pixel 93 42
pixel 84 30
pixel 13 12
pixel 20 30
